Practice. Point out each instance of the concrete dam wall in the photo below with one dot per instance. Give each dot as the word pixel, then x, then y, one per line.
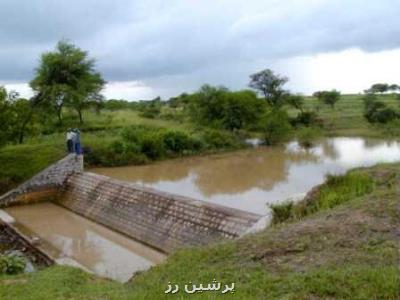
pixel 46 184
pixel 158 219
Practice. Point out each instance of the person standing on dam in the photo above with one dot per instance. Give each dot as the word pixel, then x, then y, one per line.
pixel 70 141
pixel 77 141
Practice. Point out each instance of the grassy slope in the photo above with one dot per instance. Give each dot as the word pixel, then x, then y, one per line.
pixel 347 117
pixel 350 251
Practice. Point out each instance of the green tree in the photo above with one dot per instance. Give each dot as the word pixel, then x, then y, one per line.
pixel 376 111
pixel 67 76
pixel 241 109
pixel 379 88
pixel 23 113
pixel 328 97
pixel 270 86
pixel 207 105
pixel 394 88
pixel 276 127
pixel 5 115
pixel 295 101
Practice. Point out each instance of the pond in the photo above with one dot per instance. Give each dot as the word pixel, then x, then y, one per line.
pixel 254 178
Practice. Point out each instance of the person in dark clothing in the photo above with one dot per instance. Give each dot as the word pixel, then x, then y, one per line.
pixel 70 142
pixel 77 141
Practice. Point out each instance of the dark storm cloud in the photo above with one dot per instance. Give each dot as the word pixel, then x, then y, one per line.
pixel 149 40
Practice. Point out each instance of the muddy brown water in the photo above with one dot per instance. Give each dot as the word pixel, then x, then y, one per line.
pixel 252 179
pixel 74 240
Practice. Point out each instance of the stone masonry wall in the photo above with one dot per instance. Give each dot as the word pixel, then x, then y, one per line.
pixel 44 185
pixel 158 219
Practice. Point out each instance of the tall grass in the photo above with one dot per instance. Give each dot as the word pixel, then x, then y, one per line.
pixel 336 190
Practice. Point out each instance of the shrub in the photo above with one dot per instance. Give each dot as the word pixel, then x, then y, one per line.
pixel 377 111
pixel 307 118
pixel 328 97
pixel 139 144
pixel 216 139
pixel 276 127
pixel 12 264
pixel 281 212
pixel 179 142
pixel 134 134
pixel 385 115
pixel 152 145
pixel 150 112
pixel 116 153
pixel 392 129
pixel 307 135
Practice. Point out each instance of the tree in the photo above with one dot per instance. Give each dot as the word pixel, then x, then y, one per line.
pixel 207 105
pixel 15 116
pixel 5 115
pixel 328 97
pixel 295 101
pixel 23 111
pixel 378 88
pixel 376 111
pixel 270 86
pixel 67 76
pixel 276 127
pixel 394 88
pixel 241 109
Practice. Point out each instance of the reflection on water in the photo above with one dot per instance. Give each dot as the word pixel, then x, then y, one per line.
pixel 251 179
pixel 64 234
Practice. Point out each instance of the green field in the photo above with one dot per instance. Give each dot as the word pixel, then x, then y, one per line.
pixel 348 251
pixel 347 117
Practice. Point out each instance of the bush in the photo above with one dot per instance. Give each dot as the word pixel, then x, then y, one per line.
pixel 307 135
pixel 150 112
pixel 180 142
pixel 115 154
pixel 392 129
pixel 276 127
pixel 385 115
pixel 281 212
pixel 216 139
pixel 12 264
pixel 140 144
pixel 152 145
pixel 377 111
pixel 307 118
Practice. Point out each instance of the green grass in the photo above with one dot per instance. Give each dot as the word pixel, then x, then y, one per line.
pixel 19 163
pixel 336 190
pixel 347 251
pixel 347 117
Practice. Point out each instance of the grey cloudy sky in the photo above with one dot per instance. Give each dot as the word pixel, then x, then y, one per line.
pixel 158 47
